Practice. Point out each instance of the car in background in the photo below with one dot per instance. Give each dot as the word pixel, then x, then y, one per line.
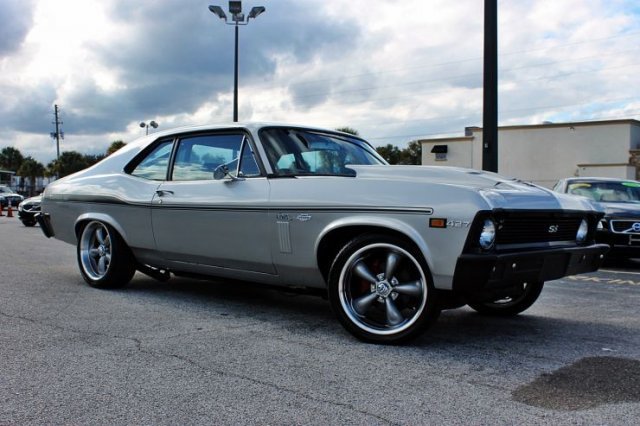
pixel 620 227
pixel 28 209
pixel 299 206
pixel 9 197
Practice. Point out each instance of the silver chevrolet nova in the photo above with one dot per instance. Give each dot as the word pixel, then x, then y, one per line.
pixel 304 207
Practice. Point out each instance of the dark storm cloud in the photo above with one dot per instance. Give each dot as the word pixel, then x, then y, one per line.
pixel 16 17
pixel 27 110
pixel 179 55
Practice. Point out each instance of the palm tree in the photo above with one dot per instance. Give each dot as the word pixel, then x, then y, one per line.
pixel 32 169
pixel 10 159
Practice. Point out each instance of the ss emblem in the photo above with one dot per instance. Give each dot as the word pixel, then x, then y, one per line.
pixel 553 229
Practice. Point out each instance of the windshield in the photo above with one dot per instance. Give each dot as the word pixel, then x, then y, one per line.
pixel 608 192
pixel 297 152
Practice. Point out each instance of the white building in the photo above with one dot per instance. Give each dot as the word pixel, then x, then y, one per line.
pixel 546 152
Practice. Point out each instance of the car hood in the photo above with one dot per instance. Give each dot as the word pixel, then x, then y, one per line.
pixel 33 200
pixel 621 209
pixel 498 191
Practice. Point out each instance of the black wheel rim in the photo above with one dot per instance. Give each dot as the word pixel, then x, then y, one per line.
pixel 382 289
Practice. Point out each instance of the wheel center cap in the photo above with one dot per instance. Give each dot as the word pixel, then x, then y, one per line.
pixel 383 288
pixel 101 250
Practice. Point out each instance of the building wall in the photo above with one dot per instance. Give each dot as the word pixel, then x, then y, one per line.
pixel 460 149
pixel 545 153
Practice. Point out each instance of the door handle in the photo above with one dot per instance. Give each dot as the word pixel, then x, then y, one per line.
pixel 163 192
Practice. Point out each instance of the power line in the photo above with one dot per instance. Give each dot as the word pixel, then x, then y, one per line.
pixel 458 77
pixel 459 61
pixel 457 132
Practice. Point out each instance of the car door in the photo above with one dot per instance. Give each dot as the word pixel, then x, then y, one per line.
pixel 214 222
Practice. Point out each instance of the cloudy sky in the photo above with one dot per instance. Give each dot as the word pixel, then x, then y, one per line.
pixel 396 70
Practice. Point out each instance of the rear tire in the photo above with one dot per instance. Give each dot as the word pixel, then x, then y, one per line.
pixel 510 306
pixel 104 259
pixel 381 291
pixel 29 223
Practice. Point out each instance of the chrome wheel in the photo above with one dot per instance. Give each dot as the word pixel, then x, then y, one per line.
pixel 382 289
pixel 510 301
pixel 95 250
pixel 104 258
pixel 511 305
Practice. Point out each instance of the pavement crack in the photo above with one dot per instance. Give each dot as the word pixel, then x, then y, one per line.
pixel 42 323
pixel 273 386
pixel 139 347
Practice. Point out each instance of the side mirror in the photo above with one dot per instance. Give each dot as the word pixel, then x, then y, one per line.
pixel 220 172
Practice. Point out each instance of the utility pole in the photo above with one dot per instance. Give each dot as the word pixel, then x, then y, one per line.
pixel 58 134
pixel 490 88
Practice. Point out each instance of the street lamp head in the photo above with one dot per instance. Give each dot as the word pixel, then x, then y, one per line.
pixel 255 11
pixel 217 10
pixel 143 125
pixel 153 124
pixel 235 7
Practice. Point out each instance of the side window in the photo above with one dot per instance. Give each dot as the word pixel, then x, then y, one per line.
pixel 154 165
pixel 248 166
pixel 198 157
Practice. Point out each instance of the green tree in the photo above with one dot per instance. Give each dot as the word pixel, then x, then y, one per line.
pixel 115 145
pixel 391 153
pixel 10 159
pixel 349 130
pixel 68 163
pixel 31 169
pixel 412 154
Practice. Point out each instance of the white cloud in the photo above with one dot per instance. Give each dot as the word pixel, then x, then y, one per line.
pixel 394 70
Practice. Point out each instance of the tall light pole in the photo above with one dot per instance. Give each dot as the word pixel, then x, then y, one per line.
pixel 146 126
pixel 490 88
pixel 237 18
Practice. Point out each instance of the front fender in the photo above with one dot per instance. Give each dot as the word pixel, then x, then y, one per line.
pixel 392 224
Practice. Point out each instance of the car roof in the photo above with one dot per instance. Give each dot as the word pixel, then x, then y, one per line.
pixel 251 125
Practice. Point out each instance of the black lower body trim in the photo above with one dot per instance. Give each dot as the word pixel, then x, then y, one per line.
pixel 44 220
pixel 479 274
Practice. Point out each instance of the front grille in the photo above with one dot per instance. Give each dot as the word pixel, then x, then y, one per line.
pixel 31 208
pixel 537 228
pixel 626 226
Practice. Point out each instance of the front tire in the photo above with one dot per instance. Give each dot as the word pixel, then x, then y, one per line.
pixel 380 290
pixel 104 259
pixel 512 305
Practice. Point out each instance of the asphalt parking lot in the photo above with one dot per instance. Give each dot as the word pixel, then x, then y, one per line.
pixel 194 352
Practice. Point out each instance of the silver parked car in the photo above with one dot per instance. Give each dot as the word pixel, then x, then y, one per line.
pixel 306 207
pixel 8 197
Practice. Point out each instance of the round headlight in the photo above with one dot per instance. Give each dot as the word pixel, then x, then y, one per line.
pixel 581 235
pixel 488 234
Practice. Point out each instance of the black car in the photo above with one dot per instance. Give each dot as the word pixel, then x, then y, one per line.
pixel 28 209
pixel 620 228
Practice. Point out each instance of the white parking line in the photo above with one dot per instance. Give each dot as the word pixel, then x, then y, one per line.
pixel 618 272
pixel 602 280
